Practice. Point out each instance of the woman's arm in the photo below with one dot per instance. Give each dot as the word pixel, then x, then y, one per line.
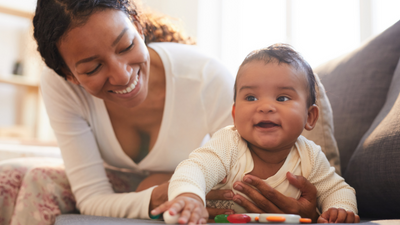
pixel 153 180
pixel 160 193
pixel 69 108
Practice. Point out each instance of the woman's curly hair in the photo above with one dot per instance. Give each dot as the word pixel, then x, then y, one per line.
pixel 54 18
pixel 160 28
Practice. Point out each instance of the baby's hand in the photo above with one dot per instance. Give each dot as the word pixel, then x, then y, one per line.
pixel 334 215
pixel 190 207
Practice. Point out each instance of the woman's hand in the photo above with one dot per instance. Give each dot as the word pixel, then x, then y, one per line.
pixel 189 206
pixel 159 196
pixel 219 195
pixel 338 215
pixel 268 200
pixel 160 193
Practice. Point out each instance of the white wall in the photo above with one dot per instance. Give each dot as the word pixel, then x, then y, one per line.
pixel 186 11
pixel 25 5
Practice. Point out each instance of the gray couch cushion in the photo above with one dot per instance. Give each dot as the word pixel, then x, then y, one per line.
pixel 322 134
pixel 374 168
pixel 357 85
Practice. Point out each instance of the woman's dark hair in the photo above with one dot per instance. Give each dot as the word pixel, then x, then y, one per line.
pixel 54 18
pixel 284 53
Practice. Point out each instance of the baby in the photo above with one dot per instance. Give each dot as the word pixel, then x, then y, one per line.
pixel 275 94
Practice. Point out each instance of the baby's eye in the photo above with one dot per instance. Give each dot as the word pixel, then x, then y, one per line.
pixel 282 99
pixel 251 98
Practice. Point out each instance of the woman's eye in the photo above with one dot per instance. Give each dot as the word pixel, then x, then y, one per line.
pixel 128 48
pixel 282 99
pixel 93 71
pixel 251 98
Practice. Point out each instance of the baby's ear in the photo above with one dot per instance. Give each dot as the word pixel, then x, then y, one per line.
pixel 312 117
pixel 233 112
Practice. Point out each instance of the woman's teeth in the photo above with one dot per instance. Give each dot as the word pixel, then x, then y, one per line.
pixel 130 88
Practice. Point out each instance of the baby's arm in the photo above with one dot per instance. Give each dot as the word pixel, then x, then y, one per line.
pixel 338 215
pixel 195 177
pixel 188 207
pixel 335 198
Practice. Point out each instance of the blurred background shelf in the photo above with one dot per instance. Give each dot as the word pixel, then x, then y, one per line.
pixel 27 109
pixel 16 12
pixel 19 80
pixel 22 114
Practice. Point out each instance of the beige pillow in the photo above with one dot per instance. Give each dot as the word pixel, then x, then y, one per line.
pixel 322 134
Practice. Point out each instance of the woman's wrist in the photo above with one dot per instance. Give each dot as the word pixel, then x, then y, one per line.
pixel 158 196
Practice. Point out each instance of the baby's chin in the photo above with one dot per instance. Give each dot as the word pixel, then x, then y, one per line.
pixel 273 145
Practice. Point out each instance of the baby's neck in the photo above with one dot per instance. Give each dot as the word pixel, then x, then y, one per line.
pixel 267 163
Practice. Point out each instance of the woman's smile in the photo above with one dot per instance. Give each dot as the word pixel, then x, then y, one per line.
pixel 130 88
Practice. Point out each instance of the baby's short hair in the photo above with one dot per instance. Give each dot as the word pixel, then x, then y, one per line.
pixel 284 53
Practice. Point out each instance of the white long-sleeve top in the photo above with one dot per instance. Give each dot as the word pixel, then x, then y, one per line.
pixel 227 154
pixel 199 97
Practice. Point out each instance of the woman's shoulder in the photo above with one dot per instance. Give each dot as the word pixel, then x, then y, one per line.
pixel 179 50
pixel 183 60
pixel 55 89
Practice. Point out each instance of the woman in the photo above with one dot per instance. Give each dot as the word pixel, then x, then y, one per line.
pixel 123 111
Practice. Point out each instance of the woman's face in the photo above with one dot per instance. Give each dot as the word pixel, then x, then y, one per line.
pixel 108 58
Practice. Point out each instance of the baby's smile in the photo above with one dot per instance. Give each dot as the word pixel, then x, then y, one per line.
pixel 266 124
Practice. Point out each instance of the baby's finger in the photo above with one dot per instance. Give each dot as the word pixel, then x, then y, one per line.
pixel 176 206
pixel 357 219
pixel 322 220
pixel 350 217
pixel 342 214
pixel 161 208
pixel 202 221
pixel 333 213
pixel 195 216
pixel 186 213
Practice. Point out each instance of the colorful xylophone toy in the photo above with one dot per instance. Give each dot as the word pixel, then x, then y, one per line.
pixel 261 218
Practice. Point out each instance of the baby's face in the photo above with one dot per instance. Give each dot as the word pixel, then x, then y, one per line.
pixel 271 105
